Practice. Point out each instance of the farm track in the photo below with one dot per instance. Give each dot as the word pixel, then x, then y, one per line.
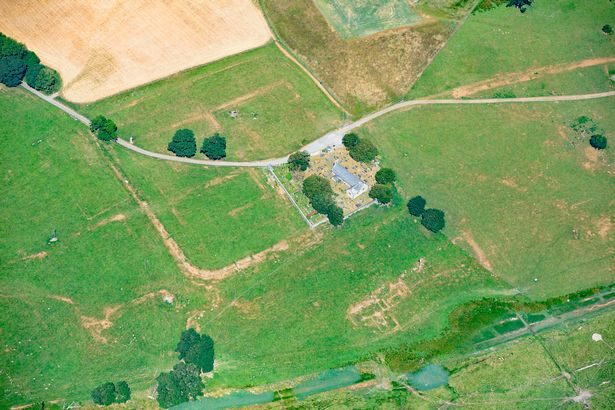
pixel 332 138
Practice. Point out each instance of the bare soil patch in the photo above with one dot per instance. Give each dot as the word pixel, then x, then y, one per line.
pixel 39 255
pixel 478 252
pixel 102 48
pixel 114 218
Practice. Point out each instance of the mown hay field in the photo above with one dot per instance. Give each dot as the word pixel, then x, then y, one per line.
pixel 521 189
pixel 102 48
pixel 497 43
pixel 279 108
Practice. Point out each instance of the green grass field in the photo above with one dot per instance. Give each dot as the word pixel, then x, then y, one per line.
pixel 503 40
pixel 290 109
pixel 360 18
pixel 217 215
pixel 90 309
pixel 296 308
pixel 55 179
pixel 514 187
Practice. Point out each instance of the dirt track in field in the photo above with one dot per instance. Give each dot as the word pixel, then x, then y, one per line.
pixel 527 75
pixel 105 47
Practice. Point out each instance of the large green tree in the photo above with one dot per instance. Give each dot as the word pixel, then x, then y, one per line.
pixel 46 80
pixel 381 193
pixel 364 151
pixel 197 349
pixel 316 186
pixel 299 161
pixel 11 48
pixel 104 128
pixel 385 176
pixel 12 71
pixel 214 147
pixel 433 219
pixel 104 394
pixel 350 140
pixel 335 215
pixel 179 385
pixel 183 143
pixel 122 392
pixel 416 205
pixel 598 141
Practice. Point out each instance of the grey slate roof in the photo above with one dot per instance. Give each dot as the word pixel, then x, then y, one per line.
pixel 346 176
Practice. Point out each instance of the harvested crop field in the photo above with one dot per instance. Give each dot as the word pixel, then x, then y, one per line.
pixel 368 71
pixel 102 48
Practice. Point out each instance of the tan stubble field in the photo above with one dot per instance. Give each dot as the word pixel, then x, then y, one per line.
pixel 104 47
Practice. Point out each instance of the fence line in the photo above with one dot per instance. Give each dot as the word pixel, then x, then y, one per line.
pixel 305 218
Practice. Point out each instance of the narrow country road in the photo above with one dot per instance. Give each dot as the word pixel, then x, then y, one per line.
pixel 330 139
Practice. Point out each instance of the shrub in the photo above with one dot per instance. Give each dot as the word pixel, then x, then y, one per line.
pixel 382 193
pixel 598 141
pixel 335 214
pixel 214 147
pixel 385 176
pixel 363 151
pixel 416 205
pixel 104 394
pixel 433 219
pixel 607 29
pixel 12 71
pixel 299 161
pixel 350 140
pixel 183 143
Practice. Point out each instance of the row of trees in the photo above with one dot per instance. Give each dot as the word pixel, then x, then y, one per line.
pixel 322 198
pixel 382 191
pixel 360 149
pixel 109 393
pixel 18 63
pixel 183 144
pixel 432 219
pixel 184 383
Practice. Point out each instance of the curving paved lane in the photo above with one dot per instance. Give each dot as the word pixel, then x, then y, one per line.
pixel 330 139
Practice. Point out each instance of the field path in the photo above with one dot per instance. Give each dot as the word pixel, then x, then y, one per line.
pixel 332 138
pixel 527 75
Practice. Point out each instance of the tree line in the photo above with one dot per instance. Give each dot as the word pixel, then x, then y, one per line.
pixel 183 144
pixel 17 64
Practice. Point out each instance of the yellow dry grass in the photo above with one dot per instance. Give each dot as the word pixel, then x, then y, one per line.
pixel 103 47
